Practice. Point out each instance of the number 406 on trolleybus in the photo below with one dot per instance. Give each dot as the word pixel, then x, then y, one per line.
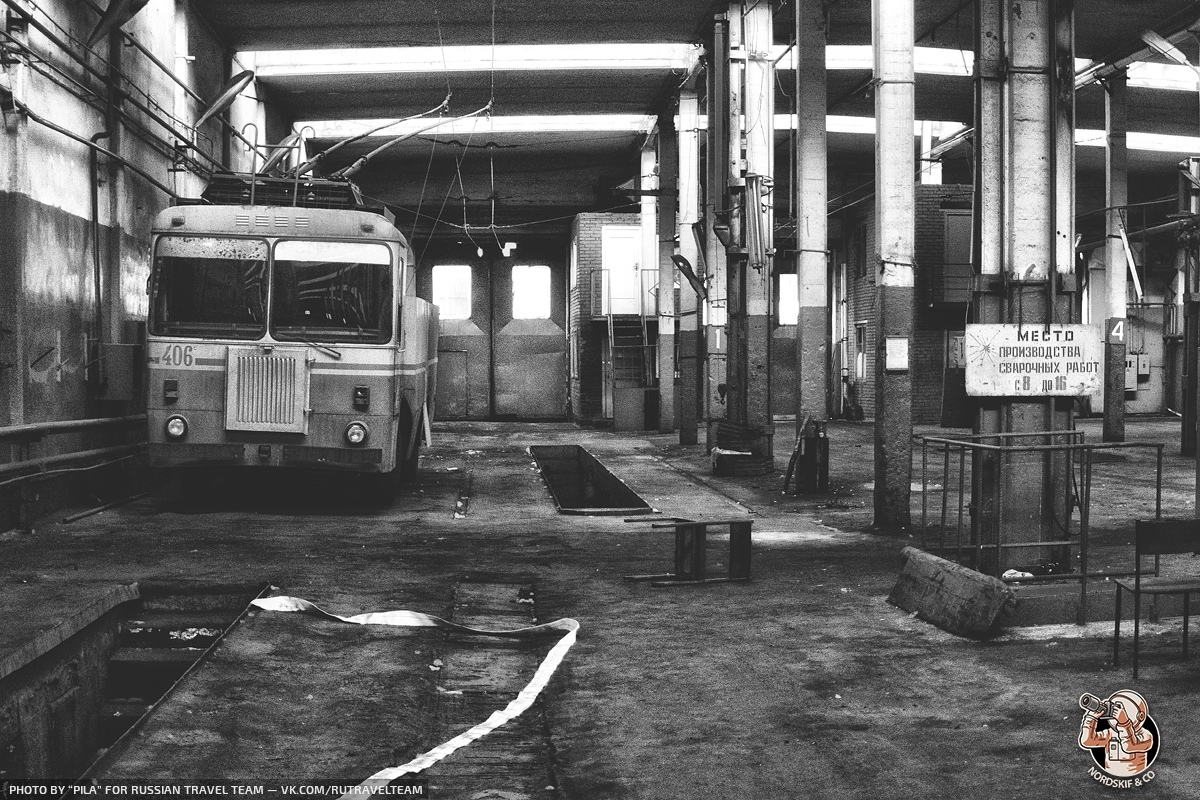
pixel 282 334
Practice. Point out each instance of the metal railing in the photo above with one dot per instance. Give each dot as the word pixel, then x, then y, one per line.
pixel 985 529
pixel 24 465
pixel 603 304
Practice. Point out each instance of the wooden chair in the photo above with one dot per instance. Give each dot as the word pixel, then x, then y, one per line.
pixel 1157 537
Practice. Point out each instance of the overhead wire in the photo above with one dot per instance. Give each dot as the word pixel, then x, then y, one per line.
pixel 307 166
pixel 424 184
pixel 445 199
pixel 529 223
pixel 434 142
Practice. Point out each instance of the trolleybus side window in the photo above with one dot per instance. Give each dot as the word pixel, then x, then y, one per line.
pixel 332 291
pixel 210 286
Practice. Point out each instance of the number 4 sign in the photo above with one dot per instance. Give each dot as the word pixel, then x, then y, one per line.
pixel 1114 331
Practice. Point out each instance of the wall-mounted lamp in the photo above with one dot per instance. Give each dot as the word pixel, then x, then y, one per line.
pixel 685 267
pixel 228 94
pixel 117 14
pixel 723 233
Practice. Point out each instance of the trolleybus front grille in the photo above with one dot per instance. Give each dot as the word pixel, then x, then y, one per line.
pixel 266 391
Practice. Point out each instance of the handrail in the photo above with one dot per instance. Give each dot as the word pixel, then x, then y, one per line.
pixel 40 465
pixel 1077 496
pixel 971 437
pixel 38 429
pixel 1041 447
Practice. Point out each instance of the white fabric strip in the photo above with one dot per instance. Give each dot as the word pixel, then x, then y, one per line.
pixel 414 619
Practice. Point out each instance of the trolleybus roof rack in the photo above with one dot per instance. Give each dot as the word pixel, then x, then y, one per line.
pixel 243 189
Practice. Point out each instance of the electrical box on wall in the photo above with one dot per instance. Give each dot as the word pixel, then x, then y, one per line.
pixel 1143 366
pixel 1131 372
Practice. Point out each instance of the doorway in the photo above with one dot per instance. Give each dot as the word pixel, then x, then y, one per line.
pixel 502 350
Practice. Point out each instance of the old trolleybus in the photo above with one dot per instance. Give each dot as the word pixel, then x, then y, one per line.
pixel 286 333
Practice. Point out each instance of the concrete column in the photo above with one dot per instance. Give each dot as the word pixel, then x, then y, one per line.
pixel 689 304
pixel 895 225
pixel 759 219
pixel 715 202
pixel 812 195
pixel 1028 187
pixel 1189 279
pixel 14 263
pixel 1116 195
pixel 1025 80
pixel 668 172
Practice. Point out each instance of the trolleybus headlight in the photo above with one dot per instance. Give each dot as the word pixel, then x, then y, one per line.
pixel 356 433
pixel 176 427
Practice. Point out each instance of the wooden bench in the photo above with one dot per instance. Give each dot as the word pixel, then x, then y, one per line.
pixel 691 538
pixel 1157 537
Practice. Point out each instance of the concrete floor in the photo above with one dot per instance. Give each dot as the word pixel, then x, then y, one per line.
pixel 804 682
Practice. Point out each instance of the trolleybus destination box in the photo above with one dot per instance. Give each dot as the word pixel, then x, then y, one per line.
pixel 1010 360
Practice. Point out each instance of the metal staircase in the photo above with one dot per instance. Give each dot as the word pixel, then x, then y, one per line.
pixel 632 352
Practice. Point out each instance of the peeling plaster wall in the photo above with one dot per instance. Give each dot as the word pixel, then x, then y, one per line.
pixel 47 290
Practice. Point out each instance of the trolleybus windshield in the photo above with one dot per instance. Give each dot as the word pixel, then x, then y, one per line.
pixel 210 286
pixel 331 291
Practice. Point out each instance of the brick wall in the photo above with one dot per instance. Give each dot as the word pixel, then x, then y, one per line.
pixel 931 320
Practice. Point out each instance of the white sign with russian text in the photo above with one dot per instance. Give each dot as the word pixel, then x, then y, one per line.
pixel 1010 360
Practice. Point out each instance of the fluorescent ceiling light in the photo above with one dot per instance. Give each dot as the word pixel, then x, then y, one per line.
pixel 632 123
pixel 474 58
pixel 1148 75
pixel 1153 142
pixel 342 128
pixel 926 60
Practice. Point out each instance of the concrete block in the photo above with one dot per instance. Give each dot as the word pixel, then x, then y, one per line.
pixel 954 598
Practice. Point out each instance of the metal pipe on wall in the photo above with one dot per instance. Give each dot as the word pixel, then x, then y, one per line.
pixel 689 300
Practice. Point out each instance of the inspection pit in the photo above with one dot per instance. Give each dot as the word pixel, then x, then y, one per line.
pixel 580 484
pixel 70 695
